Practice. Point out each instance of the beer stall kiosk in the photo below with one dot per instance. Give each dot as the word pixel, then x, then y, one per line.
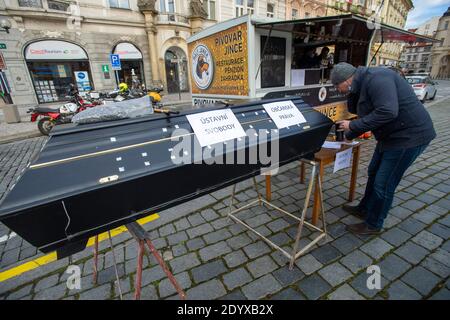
pixel 249 58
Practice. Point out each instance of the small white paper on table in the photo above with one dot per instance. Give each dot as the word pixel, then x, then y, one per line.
pixel 284 113
pixel 331 145
pixel 215 126
pixel 342 160
pixel 297 77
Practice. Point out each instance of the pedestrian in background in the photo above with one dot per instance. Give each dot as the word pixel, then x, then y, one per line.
pixel 386 105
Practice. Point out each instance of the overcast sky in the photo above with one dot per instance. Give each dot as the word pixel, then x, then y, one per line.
pixel 424 10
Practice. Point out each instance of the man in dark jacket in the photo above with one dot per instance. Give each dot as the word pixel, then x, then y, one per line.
pixel 386 105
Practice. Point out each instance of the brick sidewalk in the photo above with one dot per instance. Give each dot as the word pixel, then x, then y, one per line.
pixel 213 258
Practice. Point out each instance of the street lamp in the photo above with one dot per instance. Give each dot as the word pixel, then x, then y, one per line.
pixel 5 25
pixel 177 71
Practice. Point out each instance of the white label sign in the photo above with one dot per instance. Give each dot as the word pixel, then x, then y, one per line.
pixel 215 126
pixel 284 113
pixel 342 160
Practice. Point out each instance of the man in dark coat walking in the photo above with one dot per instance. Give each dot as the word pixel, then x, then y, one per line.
pixel 386 105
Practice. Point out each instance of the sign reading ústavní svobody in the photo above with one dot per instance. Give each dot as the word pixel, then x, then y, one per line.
pixel 215 126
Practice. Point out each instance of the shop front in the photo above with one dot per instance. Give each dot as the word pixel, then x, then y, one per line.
pixel 132 72
pixel 54 65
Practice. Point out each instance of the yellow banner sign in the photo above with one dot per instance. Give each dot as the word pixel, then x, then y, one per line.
pixel 219 63
pixel 335 111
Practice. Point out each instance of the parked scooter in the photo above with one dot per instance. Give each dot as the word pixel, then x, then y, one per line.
pixel 156 96
pixel 47 118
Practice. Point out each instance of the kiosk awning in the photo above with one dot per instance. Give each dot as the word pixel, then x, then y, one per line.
pixel 348 27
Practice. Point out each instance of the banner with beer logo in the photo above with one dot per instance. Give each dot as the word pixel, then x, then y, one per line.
pixel 219 63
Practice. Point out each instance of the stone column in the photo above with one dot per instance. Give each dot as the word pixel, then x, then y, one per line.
pixel 147 7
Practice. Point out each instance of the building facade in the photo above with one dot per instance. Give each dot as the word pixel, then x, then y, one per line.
pixel 417 58
pixel 56 42
pixel 428 28
pixel 301 9
pixel 441 50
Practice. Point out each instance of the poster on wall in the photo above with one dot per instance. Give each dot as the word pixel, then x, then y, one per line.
pixel 83 82
pixel 219 63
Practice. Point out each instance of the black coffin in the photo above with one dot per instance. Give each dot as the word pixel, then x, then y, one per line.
pixel 91 178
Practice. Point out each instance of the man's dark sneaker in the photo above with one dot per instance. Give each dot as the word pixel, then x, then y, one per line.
pixel 362 228
pixel 354 210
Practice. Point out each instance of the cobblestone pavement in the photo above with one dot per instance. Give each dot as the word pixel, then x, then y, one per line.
pixel 214 258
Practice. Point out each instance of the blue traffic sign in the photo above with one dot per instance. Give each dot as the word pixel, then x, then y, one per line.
pixel 115 62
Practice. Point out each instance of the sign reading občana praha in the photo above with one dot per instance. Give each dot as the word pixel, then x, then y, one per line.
pixel 215 126
pixel 284 113
pixel 219 63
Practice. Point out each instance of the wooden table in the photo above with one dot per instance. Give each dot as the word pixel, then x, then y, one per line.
pixel 325 157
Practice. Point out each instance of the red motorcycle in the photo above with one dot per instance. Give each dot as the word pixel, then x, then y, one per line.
pixel 47 118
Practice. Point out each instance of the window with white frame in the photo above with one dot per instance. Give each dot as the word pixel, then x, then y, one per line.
pixel 244 7
pixel 250 6
pixel 270 10
pixel 120 4
pixel 239 7
pixel 30 3
pixel 167 6
pixel 210 8
pixel 294 14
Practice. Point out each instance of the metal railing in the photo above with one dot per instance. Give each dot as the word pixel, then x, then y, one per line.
pixel 59 5
pixel 168 17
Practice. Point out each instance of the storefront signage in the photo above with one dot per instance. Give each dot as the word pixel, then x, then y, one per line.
pixel 83 82
pixel 215 126
pixel 2 45
pixel 54 50
pixel 128 51
pixel 219 63
pixel 284 113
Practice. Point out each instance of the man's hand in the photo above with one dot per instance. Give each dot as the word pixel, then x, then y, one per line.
pixel 344 124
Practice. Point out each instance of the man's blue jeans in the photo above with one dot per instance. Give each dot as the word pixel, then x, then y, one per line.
pixel 386 169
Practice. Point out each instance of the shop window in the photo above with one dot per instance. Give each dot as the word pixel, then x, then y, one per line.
pixel 119 4
pixel 58 5
pixel 273 66
pixel 210 8
pixel 30 3
pixel 51 80
pixel 270 10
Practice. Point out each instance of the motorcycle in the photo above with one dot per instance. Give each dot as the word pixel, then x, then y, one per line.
pixel 47 118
